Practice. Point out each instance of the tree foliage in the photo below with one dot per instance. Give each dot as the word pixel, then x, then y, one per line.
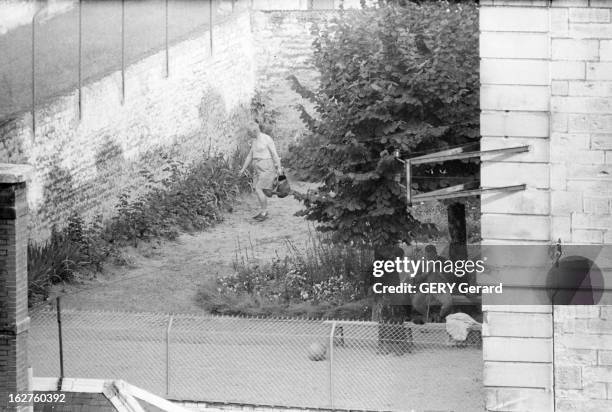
pixel 393 78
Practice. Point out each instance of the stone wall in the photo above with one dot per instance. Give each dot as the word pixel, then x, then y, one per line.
pixel 14 319
pixel 581 192
pixel 546 74
pixel 283 43
pixel 304 4
pixel 81 161
pixel 15 13
pixel 84 163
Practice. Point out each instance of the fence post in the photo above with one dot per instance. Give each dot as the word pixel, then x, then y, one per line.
pixel 167 52
pixel 122 52
pixel 33 108
pixel 210 24
pixel 331 365
pixel 168 355
pixel 80 68
pixel 61 344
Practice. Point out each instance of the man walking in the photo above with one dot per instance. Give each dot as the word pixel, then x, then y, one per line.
pixel 266 163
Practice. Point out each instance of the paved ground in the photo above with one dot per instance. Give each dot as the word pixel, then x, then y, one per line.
pixel 260 361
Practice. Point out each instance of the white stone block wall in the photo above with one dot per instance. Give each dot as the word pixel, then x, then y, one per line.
pixel 84 164
pixel 546 75
pixel 15 13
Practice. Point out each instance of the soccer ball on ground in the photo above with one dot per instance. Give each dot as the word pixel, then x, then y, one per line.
pixel 316 352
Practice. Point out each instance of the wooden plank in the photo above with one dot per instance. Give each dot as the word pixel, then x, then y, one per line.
pixel 69 384
pixel 448 152
pixel 152 399
pixel 450 189
pixel 465 193
pixel 433 158
pixel 44 384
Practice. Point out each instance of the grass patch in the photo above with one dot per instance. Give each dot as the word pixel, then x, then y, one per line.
pixel 324 280
pixel 186 197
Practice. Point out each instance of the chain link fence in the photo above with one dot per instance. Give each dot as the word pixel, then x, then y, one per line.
pixel 282 362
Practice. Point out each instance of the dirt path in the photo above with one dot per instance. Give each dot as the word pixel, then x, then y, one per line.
pixel 166 277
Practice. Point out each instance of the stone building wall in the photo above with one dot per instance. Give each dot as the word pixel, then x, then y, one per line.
pixel 546 75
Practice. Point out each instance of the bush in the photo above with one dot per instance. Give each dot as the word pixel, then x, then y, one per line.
pixel 324 280
pixel 400 79
pixel 186 197
pixel 56 260
pixel 262 113
pixel 304 158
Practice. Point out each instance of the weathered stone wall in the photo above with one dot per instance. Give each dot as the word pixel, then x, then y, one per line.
pixel 304 4
pixel 283 42
pixel 581 191
pixel 15 13
pixel 14 319
pixel 83 164
pixel 583 358
pixel 546 72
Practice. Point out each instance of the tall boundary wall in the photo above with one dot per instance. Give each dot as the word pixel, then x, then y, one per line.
pixel 19 12
pixel 83 164
pixel 283 41
pixel 546 74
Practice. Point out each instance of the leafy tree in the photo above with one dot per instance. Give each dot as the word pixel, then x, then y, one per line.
pixel 393 78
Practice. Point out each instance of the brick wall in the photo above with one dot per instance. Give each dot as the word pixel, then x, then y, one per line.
pixel 546 81
pixel 14 320
pixel 83 164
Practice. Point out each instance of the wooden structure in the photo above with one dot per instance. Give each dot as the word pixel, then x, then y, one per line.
pixel 461 190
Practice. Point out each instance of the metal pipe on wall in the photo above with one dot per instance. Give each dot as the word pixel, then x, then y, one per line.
pixel 166 40
pixel 122 51
pixel 33 79
pixel 210 24
pixel 80 68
